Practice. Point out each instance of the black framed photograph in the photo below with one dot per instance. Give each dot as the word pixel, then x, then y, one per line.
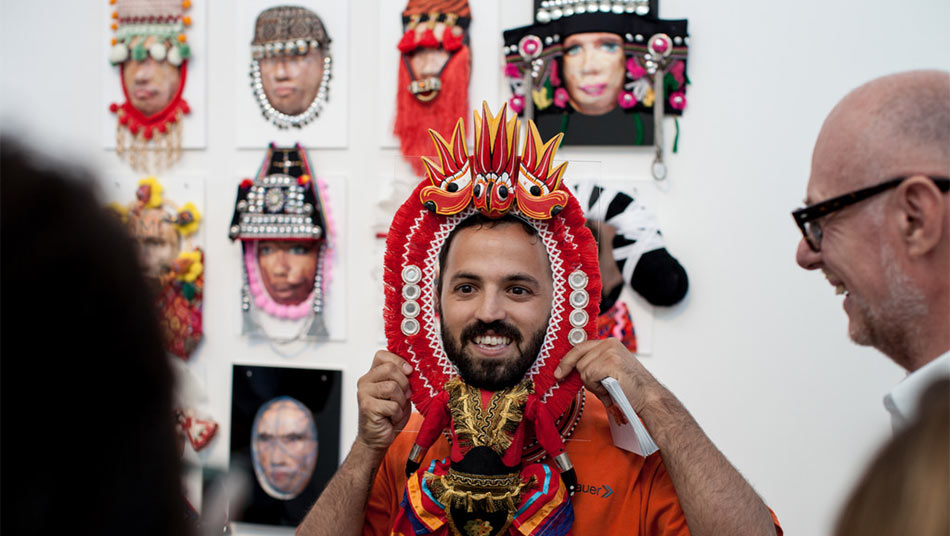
pixel 285 434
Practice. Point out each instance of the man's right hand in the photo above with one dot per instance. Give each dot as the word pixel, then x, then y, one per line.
pixel 383 396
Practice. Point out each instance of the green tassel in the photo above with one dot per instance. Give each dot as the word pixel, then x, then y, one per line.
pixel 188 291
pixel 638 129
pixel 185 50
pixel 138 52
pixel 676 139
pixel 670 84
pixel 565 119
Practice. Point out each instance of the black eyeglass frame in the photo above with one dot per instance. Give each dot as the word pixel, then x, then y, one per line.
pixel 810 213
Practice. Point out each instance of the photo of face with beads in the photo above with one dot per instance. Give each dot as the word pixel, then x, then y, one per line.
pixel 290 65
pixel 285 430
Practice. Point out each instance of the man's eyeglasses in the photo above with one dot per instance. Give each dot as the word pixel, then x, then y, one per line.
pixel 806 217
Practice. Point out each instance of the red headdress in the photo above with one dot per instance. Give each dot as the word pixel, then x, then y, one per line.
pixel 494 181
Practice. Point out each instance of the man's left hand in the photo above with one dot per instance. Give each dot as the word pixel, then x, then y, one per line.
pixel 596 360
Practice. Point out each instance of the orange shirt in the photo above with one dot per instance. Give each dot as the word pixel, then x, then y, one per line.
pixel 619 491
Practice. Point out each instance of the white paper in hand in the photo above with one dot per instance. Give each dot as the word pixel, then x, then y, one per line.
pixel 632 435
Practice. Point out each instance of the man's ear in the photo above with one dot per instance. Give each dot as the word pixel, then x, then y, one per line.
pixel 923 215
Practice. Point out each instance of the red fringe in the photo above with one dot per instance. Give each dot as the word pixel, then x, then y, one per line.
pixel 450 41
pixel 414 118
pixel 428 39
pixel 397 241
pixel 408 42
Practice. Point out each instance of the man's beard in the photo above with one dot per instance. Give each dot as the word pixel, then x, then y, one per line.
pixel 492 375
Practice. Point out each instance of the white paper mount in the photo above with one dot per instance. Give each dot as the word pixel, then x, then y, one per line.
pixel 632 435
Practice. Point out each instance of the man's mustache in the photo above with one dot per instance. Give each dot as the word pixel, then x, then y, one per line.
pixel 498 327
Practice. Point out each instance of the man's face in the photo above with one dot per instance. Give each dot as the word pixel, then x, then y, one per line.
pixel 159 243
pixel 593 71
pixel 284 446
pixel 151 85
pixel 288 268
pixel 291 82
pixel 495 303
pixel 858 254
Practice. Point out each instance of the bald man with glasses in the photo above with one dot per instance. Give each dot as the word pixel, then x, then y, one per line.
pixel 877 223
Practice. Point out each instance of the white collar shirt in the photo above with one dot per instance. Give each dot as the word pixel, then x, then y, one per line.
pixel 902 401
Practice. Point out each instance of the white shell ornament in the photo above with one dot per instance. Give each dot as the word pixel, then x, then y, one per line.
pixel 158 51
pixel 118 53
pixel 174 56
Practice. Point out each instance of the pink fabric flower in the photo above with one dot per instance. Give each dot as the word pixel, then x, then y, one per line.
pixel 516 103
pixel 677 100
pixel 626 99
pixel 511 71
pixel 561 97
pixel 636 71
pixel 678 69
pixel 555 77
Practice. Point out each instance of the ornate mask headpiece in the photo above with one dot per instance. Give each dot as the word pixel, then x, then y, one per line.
pixel 493 181
pixel 293 34
pixel 645 71
pixel 151 50
pixel 283 207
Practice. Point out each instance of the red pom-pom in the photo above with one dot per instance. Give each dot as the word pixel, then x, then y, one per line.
pixel 113 107
pixel 452 39
pixel 134 129
pixel 148 133
pixel 428 40
pixel 162 128
pixel 123 120
pixel 185 108
pixel 246 183
pixel 408 42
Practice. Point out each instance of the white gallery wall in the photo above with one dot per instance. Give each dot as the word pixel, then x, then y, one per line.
pixel 757 351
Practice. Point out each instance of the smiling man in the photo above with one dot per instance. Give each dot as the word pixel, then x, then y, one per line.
pixel 492 290
pixel 877 223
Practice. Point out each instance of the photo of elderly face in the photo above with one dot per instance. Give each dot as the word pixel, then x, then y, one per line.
pixel 284 447
pixel 593 71
pixel 288 268
pixel 151 83
pixel 290 67
pixel 158 240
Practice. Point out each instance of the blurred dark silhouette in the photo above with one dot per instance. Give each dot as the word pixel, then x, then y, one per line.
pixel 88 439
pixel 906 489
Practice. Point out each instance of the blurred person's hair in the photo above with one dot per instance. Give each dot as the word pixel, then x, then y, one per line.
pixel 906 489
pixel 88 437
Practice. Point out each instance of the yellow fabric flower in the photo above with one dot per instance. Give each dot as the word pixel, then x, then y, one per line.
pixel 541 98
pixel 187 219
pixel 149 192
pixel 121 210
pixel 648 98
pixel 188 266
